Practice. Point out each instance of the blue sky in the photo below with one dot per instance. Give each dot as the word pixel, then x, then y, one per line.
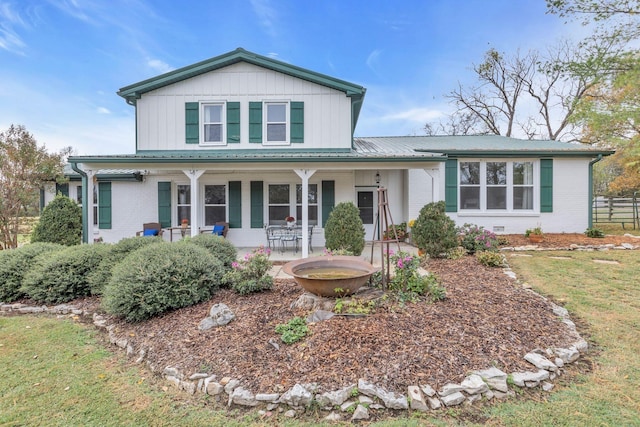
pixel 62 61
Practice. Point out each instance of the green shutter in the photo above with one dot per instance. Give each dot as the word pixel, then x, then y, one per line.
pixel 104 205
pixel 328 199
pixel 192 122
pixel 297 122
pixel 451 185
pixel 63 189
pixel 233 122
pixel 257 204
pixel 164 204
pixel 235 204
pixel 255 122
pixel 41 200
pixel 546 185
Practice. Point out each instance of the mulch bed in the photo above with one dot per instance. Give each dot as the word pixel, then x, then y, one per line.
pixel 487 319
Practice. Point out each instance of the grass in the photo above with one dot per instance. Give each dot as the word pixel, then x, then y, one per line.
pixel 57 372
pixel 617 229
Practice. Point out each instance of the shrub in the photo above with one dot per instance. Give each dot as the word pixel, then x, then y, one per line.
pixel 434 232
pixel 62 276
pixel 292 331
pixel 251 273
pixel 594 232
pixel 457 253
pixel 101 275
pixel 344 229
pixel 60 222
pixel 218 246
pixel 14 264
pixel 408 283
pixel 491 259
pixel 475 239
pixel 161 277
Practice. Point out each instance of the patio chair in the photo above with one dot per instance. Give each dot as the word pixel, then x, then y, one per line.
pixel 273 236
pixel 150 229
pixel 220 229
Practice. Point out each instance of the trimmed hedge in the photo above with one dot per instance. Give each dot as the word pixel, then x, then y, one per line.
pixel 433 231
pixel 217 246
pixel 60 222
pixel 99 277
pixel 344 229
pixel 15 263
pixel 159 278
pixel 62 276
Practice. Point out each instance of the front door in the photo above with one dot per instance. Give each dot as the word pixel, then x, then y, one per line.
pixel 367 205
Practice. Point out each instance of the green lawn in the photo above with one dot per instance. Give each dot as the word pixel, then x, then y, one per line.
pixel 56 372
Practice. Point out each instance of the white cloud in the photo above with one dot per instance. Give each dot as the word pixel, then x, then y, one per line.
pixel 159 66
pixel 103 110
pixel 9 38
pixel 420 115
pixel 373 58
pixel 266 15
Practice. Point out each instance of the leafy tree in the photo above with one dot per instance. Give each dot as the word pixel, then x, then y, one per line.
pixel 24 167
pixel 60 222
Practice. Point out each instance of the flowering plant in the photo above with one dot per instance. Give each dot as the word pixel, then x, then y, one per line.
pixel 407 281
pixel 250 274
pixel 401 232
pixel 289 219
pixel 185 221
pixel 476 239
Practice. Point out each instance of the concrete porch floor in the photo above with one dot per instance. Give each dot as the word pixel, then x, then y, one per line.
pixel 280 258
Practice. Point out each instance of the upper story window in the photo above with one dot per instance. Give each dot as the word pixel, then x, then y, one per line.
pixel 276 123
pixel 213 123
pixel 496 185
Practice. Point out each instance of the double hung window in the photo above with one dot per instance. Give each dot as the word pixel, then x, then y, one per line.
pixel 279 203
pixel 215 204
pixel 213 122
pixel 276 122
pixel 184 202
pixel 496 185
pixel 312 201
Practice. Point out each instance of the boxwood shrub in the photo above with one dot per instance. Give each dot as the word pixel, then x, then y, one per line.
pixel 162 277
pixel 99 277
pixel 60 222
pixel 218 246
pixel 344 229
pixel 62 276
pixel 433 231
pixel 15 263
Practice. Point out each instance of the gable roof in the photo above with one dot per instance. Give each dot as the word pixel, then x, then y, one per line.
pixel 134 91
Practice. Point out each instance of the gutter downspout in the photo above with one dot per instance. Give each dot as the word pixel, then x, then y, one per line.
pixel 591 163
pixel 85 197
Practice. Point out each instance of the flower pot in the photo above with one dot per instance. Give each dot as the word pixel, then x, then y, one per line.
pixel 421 252
pixel 536 238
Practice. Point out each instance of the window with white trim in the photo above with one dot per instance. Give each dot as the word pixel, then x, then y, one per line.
pixel 184 203
pixel 213 123
pixel 215 204
pixel 496 185
pixel 279 203
pixel 312 201
pixel 276 122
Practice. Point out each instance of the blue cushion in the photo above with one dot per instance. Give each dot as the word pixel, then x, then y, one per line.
pixel 218 229
pixel 151 232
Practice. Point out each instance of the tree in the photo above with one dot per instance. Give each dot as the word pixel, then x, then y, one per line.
pixel 24 168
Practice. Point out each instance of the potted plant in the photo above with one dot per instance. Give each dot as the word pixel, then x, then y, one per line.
pixel 535 235
pixel 401 232
pixel 291 221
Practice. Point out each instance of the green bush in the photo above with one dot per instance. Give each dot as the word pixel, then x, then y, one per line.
pixel 292 331
pixel 101 275
pixel 491 259
pixel 218 246
pixel 60 222
pixel 14 264
pixel 344 229
pixel 251 273
pixel 161 277
pixel 62 276
pixel 594 232
pixel 475 239
pixel 433 231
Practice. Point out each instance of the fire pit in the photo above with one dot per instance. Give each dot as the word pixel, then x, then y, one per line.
pixel 330 276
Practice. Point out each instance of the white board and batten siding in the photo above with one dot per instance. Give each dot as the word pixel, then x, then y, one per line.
pixel 161 112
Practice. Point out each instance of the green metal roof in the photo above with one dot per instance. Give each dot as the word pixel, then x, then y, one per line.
pixel 133 92
pixel 476 146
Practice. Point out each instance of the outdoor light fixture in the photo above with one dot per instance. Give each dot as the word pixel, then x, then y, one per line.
pixel 378 177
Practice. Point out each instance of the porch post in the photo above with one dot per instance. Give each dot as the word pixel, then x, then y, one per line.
pixel 194 176
pixel 304 175
pixel 88 201
pixel 435 183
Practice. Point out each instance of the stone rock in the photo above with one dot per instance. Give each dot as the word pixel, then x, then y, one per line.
pixel 428 390
pixel 173 380
pixel 270 397
pixel 450 388
pixel 473 384
pixel 230 386
pixel 473 398
pixel 206 324
pixel 335 398
pixel 296 396
pixel 290 413
pixel 540 362
pixel 174 372
pixel 488 395
pixel 568 355
pixel 547 386
pixel 241 396
pixel 434 403
pixel 198 376
pixel 319 316
pixel 348 404
pixel 558 362
pixel 99 321
pixel 581 345
pixel 333 417
pixel 627 245
pixel 365 400
pixel 213 388
pixel 390 399
pixel 521 378
pixel 188 386
pixel 361 413
pixel 309 302
pixel 417 400
pixel 495 379
pixel 453 399
pixel 559 311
